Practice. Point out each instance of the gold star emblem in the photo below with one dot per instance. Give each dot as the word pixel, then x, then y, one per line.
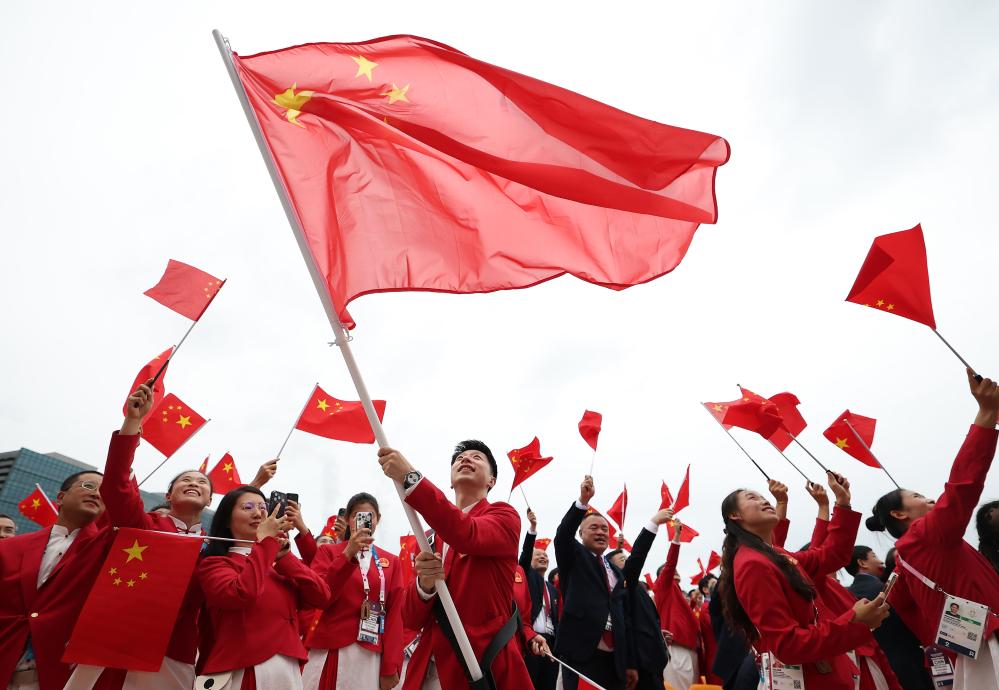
pixel 293 102
pixel 880 303
pixel 323 405
pixel 718 408
pixel 184 421
pixel 227 468
pixel 143 576
pixel 890 307
pixel 841 443
pixel 396 94
pixel 134 551
pixel 364 66
pixel 113 571
pixel 130 583
pixel 36 503
pixel 117 581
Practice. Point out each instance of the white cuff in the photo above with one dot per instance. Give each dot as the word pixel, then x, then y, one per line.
pixel 410 489
pixel 424 595
pixel 532 532
pixel 652 527
pixel 581 506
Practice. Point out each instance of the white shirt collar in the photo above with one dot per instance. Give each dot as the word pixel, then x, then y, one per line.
pixel 241 550
pixel 182 526
pixel 60 531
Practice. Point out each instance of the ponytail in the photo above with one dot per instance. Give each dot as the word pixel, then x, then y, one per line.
pixel 882 519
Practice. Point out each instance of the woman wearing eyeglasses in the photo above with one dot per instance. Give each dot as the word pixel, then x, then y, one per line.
pixel 358 640
pixel 253 590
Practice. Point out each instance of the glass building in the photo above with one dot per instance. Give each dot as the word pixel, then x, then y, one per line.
pixel 21 469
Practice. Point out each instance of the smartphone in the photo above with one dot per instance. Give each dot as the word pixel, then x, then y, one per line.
pixel 363 520
pixel 292 497
pixel 892 579
pixel 277 500
pixel 342 513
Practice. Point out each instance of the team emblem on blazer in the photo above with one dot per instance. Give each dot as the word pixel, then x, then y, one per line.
pixel 383 562
pixel 517 577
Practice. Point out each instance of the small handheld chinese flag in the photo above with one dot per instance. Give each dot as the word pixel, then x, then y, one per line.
pixel 330 529
pixel 542 544
pixel 224 476
pixel 792 421
pixel 667 497
pixel 649 582
pixel 694 579
pixel 714 560
pixel 895 278
pixel 38 508
pixel 620 508
pixel 754 413
pixel 170 424
pixel 340 420
pixel 686 535
pixel 683 495
pixel 203 468
pixel 589 427
pixel 839 433
pixel 408 548
pixel 130 613
pixel 526 461
pixel 185 289
pixel 147 372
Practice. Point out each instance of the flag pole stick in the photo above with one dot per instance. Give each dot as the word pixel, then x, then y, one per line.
pixel 342 341
pixel 172 454
pixel 297 420
pixel 817 462
pixel 47 499
pixel 736 442
pixel 957 354
pixel 565 665
pixel 592 460
pixel 526 502
pixel 791 463
pixel 868 449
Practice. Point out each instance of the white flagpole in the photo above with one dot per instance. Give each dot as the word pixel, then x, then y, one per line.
pixel 343 343
pixel 174 453
pixel 47 499
pixel 868 449
pixel 562 663
pixel 297 420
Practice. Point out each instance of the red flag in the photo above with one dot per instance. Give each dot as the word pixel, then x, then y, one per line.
pixel 683 495
pixel 584 684
pixel 422 168
pixel 694 579
pixel 718 409
pixel 204 466
pixel 185 289
pixel 170 424
pixel 752 412
pixel 130 613
pixel 793 422
pixel 667 497
pixel 686 536
pixel 526 461
pixel 895 278
pixel 224 476
pixel 649 582
pixel 408 548
pixel 147 372
pixel 714 560
pixel 840 434
pixel 620 507
pixel 542 544
pixel 340 420
pixel 330 529
pixel 589 427
pixel 38 508
pixel 625 545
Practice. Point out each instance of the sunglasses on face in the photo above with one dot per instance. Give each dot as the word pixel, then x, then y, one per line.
pixel 252 505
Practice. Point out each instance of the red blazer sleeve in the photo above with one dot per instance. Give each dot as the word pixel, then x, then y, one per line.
pixel 780 532
pixel 662 588
pixel 416 612
pixel 123 504
pixel 227 587
pixel 313 592
pixel 393 642
pixel 835 551
pixel 767 607
pixel 306 544
pixel 947 521
pixel 488 534
pixel 335 568
pixel 819 533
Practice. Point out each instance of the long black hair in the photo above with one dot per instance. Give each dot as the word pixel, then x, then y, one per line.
pixel 356 500
pixel 988 533
pixel 882 519
pixel 223 519
pixel 737 537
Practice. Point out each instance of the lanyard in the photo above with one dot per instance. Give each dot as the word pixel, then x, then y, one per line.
pixel 381 576
pixel 609 573
pixel 925 580
pixel 547 599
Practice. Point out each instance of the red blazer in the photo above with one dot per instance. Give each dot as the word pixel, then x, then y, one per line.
pixel 674 609
pixel 482 556
pixel 338 625
pixel 48 613
pixel 794 629
pixel 124 508
pixel 522 595
pixel 252 603
pixel 934 545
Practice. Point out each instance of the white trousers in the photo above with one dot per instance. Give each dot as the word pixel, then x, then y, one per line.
pixel 981 673
pixel 681 672
pixel 173 675
pixel 357 668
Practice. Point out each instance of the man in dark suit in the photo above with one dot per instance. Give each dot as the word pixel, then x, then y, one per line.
pixel 544 607
pixel 734 663
pixel 593 636
pixel 904 653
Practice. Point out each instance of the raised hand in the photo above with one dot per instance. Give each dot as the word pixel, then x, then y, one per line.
pixel 360 540
pixel 586 490
pixel 662 517
pixel 533 519
pixel 138 406
pixel 265 473
pixel 817 492
pixel 272 525
pixel 429 569
pixel 294 513
pixel 840 486
pixel 778 490
pixel 394 464
pixel 986 392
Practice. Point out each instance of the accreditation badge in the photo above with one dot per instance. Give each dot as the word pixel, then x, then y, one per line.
pixel 371 623
pixel 775 675
pixel 940 667
pixel 962 626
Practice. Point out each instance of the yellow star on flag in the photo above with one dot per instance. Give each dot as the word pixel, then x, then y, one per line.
pixel 841 443
pixel 227 468
pixel 36 503
pixel 117 581
pixel 396 94
pixel 323 405
pixel 143 576
pixel 890 307
pixel 718 408
pixel 113 571
pixel 293 102
pixel 134 551
pixel 130 583
pixel 364 66
pixel 880 303
pixel 184 421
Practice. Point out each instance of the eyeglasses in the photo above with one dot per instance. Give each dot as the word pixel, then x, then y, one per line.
pixel 88 485
pixel 250 505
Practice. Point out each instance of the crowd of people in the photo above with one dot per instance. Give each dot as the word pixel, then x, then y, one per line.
pixel 346 615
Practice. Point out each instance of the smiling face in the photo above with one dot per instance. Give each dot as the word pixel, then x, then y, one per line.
pixel 539 561
pixel 247 514
pixel 81 502
pixel 190 491
pixel 754 513
pixel 471 471
pixel 594 533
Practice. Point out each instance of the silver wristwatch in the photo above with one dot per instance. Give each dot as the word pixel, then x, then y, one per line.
pixel 410 481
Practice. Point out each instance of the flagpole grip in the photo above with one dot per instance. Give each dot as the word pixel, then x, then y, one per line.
pixel 342 342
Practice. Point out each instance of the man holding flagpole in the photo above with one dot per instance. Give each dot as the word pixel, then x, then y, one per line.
pixel 476 555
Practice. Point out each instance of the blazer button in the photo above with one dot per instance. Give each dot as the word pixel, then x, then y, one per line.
pixel 34 614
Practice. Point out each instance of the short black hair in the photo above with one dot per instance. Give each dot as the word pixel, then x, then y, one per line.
pixel 552 574
pixel 860 553
pixel 68 482
pixel 613 553
pixel 703 582
pixel 472 444
pixel 5 515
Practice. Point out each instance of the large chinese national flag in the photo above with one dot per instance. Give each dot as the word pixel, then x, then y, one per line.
pixel 413 166
pixel 170 424
pixel 37 507
pixel 340 420
pixel 526 461
pixel 129 615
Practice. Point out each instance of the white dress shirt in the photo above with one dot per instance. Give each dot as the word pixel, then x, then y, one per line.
pixel 60 539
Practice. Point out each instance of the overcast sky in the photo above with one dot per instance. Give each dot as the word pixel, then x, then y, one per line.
pixel 124 146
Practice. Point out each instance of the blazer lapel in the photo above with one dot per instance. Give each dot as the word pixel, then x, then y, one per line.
pixel 31 563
